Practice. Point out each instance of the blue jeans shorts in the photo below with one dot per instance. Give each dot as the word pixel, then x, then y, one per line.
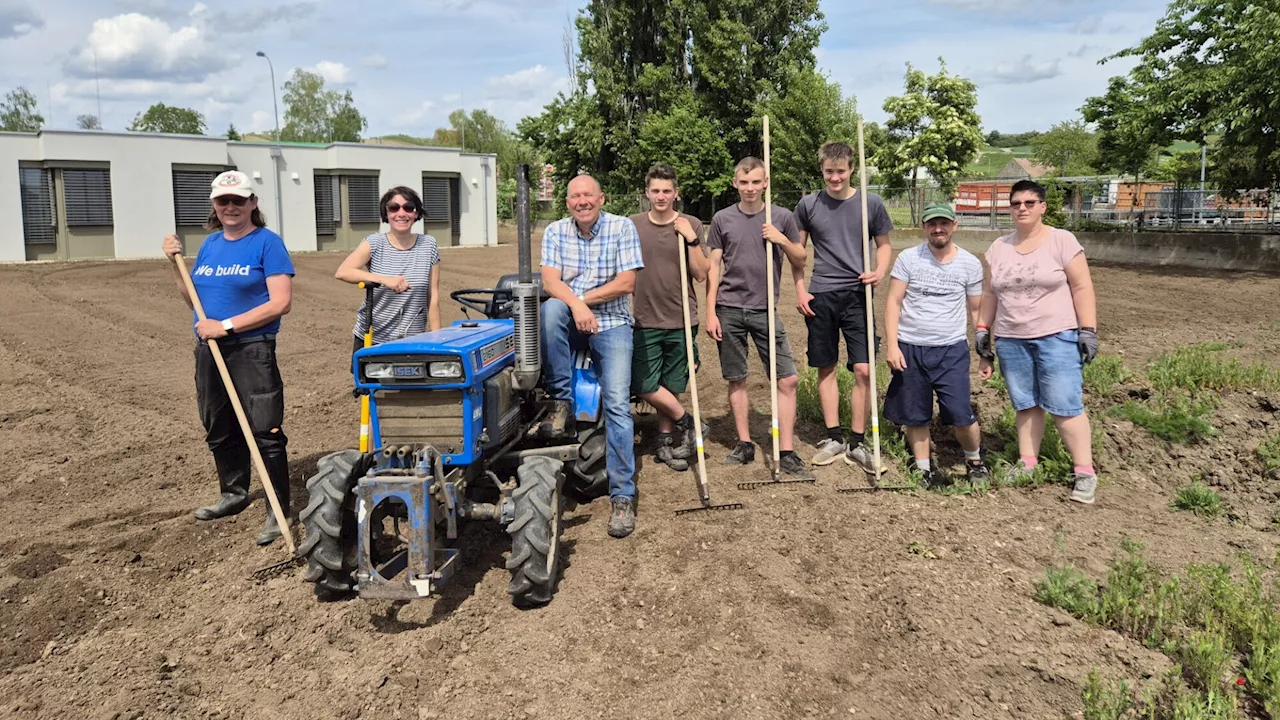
pixel 1046 372
pixel 931 370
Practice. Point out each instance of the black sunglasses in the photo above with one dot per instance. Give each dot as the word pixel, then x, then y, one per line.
pixel 1028 204
pixel 397 207
pixel 225 200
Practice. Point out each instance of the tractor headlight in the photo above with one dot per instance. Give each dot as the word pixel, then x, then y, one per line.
pixel 378 370
pixel 446 369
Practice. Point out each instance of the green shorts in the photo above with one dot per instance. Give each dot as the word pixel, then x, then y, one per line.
pixel 659 359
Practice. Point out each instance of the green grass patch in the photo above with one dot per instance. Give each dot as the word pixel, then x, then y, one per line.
pixel 1202 368
pixel 1103 375
pixel 1174 419
pixel 1055 465
pixel 809 406
pixel 901 217
pixel 1198 499
pixel 1269 454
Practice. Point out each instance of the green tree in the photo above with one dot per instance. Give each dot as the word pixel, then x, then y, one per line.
pixel 933 125
pixel 1182 169
pixel 314 114
pixel 161 118
pixel 1069 148
pixel 1128 136
pixel 811 113
pixel 18 112
pixel 232 133
pixel 88 122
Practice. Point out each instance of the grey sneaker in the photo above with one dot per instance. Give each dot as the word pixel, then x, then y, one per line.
pixel 1086 486
pixel 828 451
pixel 743 454
pixel 666 453
pixel 977 471
pixel 1020 472
pixel 622 518
pixel 791 464
pixel 860 455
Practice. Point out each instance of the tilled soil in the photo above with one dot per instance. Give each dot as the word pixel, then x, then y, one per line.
pixel 116 603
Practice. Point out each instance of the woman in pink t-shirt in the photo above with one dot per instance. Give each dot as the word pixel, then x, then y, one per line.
pixel 1040 308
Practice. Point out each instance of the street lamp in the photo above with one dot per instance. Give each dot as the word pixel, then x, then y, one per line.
pixel 276 152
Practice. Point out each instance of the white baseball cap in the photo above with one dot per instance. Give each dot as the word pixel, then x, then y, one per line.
pixel 231 182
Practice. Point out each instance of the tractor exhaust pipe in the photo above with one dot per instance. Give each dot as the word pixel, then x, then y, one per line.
pixel 526 294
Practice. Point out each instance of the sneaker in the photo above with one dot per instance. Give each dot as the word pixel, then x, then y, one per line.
pixel 791 464
pixel 1020 472
pixel 743 454
pixel 978 472
pixel 930 478
pixel 622 519
pixel 1086 486
pixel 861 456
pixel 828 451
pixel 682 444
pixel 666 453
pixel 559 421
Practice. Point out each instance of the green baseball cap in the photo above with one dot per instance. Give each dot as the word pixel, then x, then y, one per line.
pixel 938 210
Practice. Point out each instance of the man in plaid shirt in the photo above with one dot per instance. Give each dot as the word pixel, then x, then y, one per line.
pixel 589 264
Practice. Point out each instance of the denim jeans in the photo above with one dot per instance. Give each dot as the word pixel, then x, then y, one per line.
pixel 1045 372
pixel 611 356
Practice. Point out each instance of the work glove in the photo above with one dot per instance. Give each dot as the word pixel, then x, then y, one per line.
pixel 982 344
pixel 1088 344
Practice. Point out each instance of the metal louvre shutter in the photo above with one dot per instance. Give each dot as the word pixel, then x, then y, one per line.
pixel 326 207
pixel 455 207
pixel 38 214
pixel 88 196
pixel 362 199
pixel 191 196
pixel 435 199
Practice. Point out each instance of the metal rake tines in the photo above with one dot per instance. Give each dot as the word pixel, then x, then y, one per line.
pixel 723 506
pixel 266 573
pixel 877 488
pixel 764 483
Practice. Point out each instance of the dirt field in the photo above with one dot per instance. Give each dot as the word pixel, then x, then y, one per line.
pixel 116 603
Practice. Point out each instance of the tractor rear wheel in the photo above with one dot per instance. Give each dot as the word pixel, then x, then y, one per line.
pixel 589 475
pixel 535 559
pixel 329 520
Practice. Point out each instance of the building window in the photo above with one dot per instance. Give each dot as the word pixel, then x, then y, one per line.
pixel 455 208
pixel 39 217
pixel 191 196
pixel 362 199
pixel 328 207
pixel 435 199
pixel 87 196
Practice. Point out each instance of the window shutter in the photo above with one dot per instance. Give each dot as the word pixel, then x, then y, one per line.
pixel 191 196
pixel 324 205
pixel 362 198
pixel 435 199
pixel 88 196
pixel 38 215
pixel 455 207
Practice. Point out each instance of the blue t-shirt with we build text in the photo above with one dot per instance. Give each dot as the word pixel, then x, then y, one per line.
pixel 231 275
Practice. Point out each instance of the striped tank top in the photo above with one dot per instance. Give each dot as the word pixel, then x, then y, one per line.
pixel 398 315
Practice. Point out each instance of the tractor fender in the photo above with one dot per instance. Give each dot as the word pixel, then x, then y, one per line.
pixel 586 394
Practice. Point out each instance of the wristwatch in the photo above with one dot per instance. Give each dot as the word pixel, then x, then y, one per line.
pixel 692 243
pixel 226 325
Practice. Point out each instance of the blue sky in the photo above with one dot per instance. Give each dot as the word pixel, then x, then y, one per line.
pixel 409 64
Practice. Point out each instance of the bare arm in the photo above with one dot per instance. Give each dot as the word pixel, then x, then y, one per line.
pixel 987 308
pixel 884 251
pixel 975 303
pixel 714 270
pixel 354 269
pixel 433 307
pixel 698 264
pixel 279 303
pixel 556 287
pixel 1081 283
pixel 797 273
pixel 893 310
pixel 624 283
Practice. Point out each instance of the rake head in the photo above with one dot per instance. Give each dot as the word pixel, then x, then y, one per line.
pixel 767 483
pixel 706 506
pixel 270 571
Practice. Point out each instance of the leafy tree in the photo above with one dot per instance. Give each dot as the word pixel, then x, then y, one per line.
pixel 18 112
pixel 1128 135
pixel 995 138
pixel 934 125
pixel 1069 148
pixel 232 133
pixel 1182 169
pixel 811 113
pixel 314 114
pixel 161 118
pixel 88 122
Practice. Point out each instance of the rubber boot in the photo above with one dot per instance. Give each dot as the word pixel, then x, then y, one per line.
pixel 233 481
pixel 278 469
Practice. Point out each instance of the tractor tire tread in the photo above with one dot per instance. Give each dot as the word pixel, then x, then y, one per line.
pixel 324 519
pixel 535 532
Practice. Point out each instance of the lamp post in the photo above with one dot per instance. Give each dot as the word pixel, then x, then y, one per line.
pixel 276 152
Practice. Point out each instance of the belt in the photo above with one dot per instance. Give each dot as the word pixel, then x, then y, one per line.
pixel 245 340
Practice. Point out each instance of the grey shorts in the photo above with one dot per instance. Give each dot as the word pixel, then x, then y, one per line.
pixel 736 324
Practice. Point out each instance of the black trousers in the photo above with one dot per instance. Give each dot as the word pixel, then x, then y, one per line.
pixel 253 369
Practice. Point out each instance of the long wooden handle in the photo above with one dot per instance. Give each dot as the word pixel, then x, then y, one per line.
pixel 871 335
pixel 703 491
pixel 773 345
pixel 235 403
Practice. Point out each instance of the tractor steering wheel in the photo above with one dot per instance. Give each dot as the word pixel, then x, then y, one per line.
pixel 496 305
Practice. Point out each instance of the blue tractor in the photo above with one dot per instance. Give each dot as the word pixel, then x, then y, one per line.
pixel 455 419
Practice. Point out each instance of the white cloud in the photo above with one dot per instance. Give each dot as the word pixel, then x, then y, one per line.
pixel 414 116
pixel 262 120
pixel 377 61
pixel 451 98
pixel 1026 70
pixel 989 5
pixel 135 46
pixel 525 84
pixel 1086 49
pixel 18 19
pixel 334 73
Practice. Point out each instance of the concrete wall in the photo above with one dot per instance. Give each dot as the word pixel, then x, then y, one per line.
pixel 142 181
pixel 1206 251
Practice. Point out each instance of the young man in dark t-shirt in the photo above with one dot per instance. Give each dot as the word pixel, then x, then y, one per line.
pixel 660 365
pixel 835 301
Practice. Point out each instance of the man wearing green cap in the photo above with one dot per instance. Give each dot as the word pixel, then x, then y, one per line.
pixel 930 288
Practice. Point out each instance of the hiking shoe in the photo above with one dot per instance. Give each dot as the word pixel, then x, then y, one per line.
pixel 977 471
pixel 930 478
pixel 559 421
pixel 860 455
pixel 828 451
pixel 682 444
pixel 791 464
pixel 666 453
pixel 744 453
pixel 622 518
pixel 1086 486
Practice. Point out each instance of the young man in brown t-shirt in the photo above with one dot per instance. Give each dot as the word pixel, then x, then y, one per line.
pixel 660 366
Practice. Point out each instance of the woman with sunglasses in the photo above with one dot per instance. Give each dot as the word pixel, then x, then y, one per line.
pixel 244 278
pixel 1041 310
pixel 403 262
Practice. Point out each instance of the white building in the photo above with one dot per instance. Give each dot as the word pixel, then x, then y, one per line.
pixel 81 194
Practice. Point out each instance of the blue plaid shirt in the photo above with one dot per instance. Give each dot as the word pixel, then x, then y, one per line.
pixel 587 263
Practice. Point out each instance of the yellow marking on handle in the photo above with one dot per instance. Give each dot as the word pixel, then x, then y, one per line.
pixel 775 431
pixel 875 424
pixel 699 447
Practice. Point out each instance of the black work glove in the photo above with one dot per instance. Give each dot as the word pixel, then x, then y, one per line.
pixel 982 345
pixel 1088 344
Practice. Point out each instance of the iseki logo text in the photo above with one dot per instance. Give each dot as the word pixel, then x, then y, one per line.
pixel 222 270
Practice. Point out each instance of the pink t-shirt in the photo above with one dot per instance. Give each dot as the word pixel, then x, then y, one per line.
pixel 1032 294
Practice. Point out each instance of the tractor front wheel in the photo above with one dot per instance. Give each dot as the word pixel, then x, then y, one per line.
pixel 535 559
pixel 329 522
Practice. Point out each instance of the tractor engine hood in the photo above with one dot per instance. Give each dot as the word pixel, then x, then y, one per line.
pixel 463 354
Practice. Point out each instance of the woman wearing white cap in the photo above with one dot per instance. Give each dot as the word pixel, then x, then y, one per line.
pixel 244 277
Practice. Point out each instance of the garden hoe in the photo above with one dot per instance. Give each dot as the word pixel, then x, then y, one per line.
pixel 285 533
pixel 773 334
pixel 704 492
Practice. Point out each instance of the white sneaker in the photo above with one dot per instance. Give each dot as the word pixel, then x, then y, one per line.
pixel 1086 486
pixel 828 451
pixel 861 456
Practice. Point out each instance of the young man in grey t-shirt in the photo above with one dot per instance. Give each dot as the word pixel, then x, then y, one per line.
pixel 931 290
pixel 835 301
